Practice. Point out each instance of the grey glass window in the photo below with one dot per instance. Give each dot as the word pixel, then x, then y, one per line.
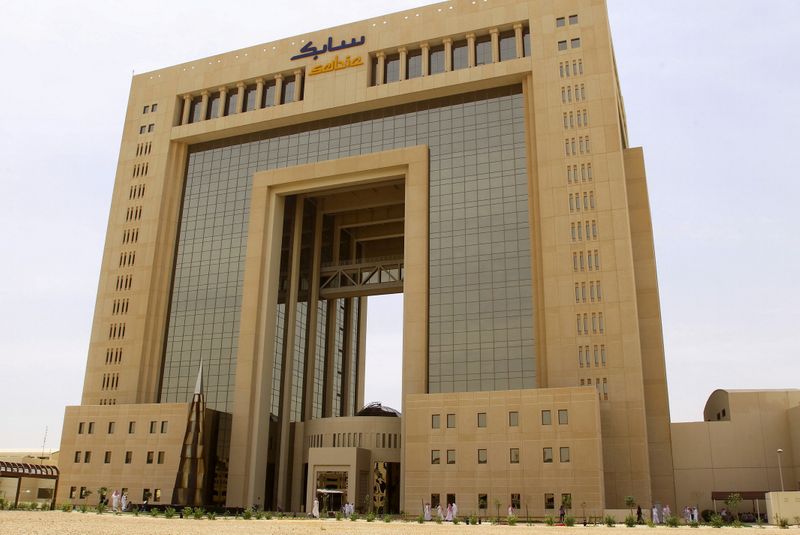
pixel 435 456
pixel 562 45
pixel 146 109
pixel 513 456
pixel 268 96
pixel 575 43
pixel 213 106
pixel 482 456
pixel 80 428
pixel 508 46
pixel 87 457
pixel 546 419
pixel 153 426
pixel 451 456
pixel 131 428
pixel 483 501
pixel 563 416
pixel 414 64
pixel 483 50
pixel 549 501
pixel 547 455
pixel 77 457
pixel 460 55
pixel 526 42
pixel 564 454
pixel 232 99
pixel 153 108
pixel 451 421
pixel 111 427
pixel 196 108
pixel 435 421
pixel 91 428
pixel 287 95
pixel 164 426
pixel 128 457
pixel 150 457
pixel 573 19
pixel 513 419
pixel 436 61
pixel 392 68
pixel 373 74
pixel 250 98
pixel 516 501
pixel 560 21
pixel 481 419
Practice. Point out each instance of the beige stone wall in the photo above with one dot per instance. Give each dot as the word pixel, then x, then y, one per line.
pixel 582 476
pixel 783 505
pixel 137 475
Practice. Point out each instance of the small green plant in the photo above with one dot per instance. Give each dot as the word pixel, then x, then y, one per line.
pixel 737 523
pixel 135 510
pixel 732 501
pixel 338 516
pixel 550 520
pixel 387 518
pixel 154 512
pixel 211 515
pixel 438 519
pixel 630 521
pixel 609 521
pixel 353 516
pixel 267 516
pixel 630 501
pixel 198 513
pixel 782 523
pixel 247 514
pixel 420 519
pixel 66 507
pixel 650 524
pixel 671 521
pixel 456 521
pixel 473 519
pixel 569 521
pixel 101 508
pixel 694 524
pixel 170 512
pixel 512 520
pixel 716 521
pixel 83 508
pixel 371 517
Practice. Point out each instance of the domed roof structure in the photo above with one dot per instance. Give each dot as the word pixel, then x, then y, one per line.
pixel 377 409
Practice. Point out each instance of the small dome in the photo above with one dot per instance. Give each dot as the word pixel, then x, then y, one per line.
pixel 377 409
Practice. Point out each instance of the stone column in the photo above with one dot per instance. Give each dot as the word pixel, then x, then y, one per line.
pixel 311 370
pixel 494 32
pixel 448 54
pixel 259 92
pixel 204 106
pixel 330 357
pixel 187 109
pixel 278 89
pixel 470 50
pixel 426 58
pixel 403 62
pixel 380 68
pixel 223 96
pixel 240 97
pixel 518 40
pixel 298 88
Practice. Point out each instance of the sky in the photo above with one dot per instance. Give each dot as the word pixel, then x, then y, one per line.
pixel 708 90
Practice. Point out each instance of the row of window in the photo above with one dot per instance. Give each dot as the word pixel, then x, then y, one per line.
pixel 575 204
pixel 513 419
pixel 567 93
pixel 137 191
pixel 130 235
pixel 513 455
pixel 140 169
pixel 357 440
pixel 451 55
pixel 110 381
pixel 247 97
pixel 75 493
pixel 88 427
pixel 147 128
pixel 583 296
pixel 585 354
pixel 150 108
pixel 116 331
pixel 143 148
pixel 119 306
pixel 114 355
pixel 576 119
pixel 124 282
pixel 577 230
pixel 598 323
pixel 134 213
pixel 592 260
pixel 515 501
pixel 562 21
pixel 564 68
pixel 575 42
pixel 105 401
pixel 571 148
pixel 602 392
pixel 127 259
pixel 574 176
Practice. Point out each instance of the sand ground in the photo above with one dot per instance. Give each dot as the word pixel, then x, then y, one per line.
pixel 75 523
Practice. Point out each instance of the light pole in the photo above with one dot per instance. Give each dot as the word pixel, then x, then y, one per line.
pixel 780 471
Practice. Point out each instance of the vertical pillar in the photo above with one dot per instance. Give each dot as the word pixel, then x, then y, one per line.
pixel 362 351
pixel 330 357
pixel 403 62
pixel 518 40
pixel 259 92
pixel 187 108
pixel 470 50
pixel 311 371
pixel 426 58
pixel 495 33
pixel 278 89
pixel 287 371
pixel 380 69
pixel 298 87
pixel 240 97
pixel 347 361
pixel 16 496
pixel 448 54
pixel 204 106
pixel 223 96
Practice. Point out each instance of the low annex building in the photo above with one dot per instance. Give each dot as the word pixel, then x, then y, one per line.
pixel 473 156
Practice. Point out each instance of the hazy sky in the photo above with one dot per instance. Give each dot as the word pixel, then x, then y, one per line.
pixel 708 91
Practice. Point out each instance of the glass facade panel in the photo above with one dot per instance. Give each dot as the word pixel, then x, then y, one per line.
pixel 392 67
pixel 508 46
pixel 436 61
pixel 460 55
pixel 483 50
pixel 480 321
pixel 414 69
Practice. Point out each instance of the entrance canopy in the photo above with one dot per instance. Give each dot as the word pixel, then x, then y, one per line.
pixel 35 471
pixel 745 494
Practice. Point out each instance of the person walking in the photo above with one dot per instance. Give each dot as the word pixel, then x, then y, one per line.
pixel 315 509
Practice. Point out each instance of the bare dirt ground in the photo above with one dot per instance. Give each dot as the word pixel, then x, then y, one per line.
pixel 75 523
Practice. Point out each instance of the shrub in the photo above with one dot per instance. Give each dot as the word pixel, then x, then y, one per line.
pixel 66 507
pixel 101 508
pixel 456 521
pixel 353 516
pixel 650 523
pixel 783 523
pixel 438 519
pixel 211 515
pixel 259 514
pixel 247 514
pixel 135 510
pixel 198 513
pixel 716 521
pixel 694 524
pixel 473 519
pixel 420 519
pixel 170 512
pixel 83 508
pixel 569 521
pixel 630 521
pixel 672 521
pixel 370 517
pixel 609 521
pixel 737 523
pixel 154 511
pixel 267 516
pixel 387 518
pixel 338 515
pixel 512 520
pixel 550 520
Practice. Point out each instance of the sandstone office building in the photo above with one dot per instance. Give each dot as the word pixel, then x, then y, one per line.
pixel 471 155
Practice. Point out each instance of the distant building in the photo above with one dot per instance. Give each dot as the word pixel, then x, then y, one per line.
pixel 30 488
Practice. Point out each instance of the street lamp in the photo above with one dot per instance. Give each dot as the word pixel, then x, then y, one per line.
pixel 780 472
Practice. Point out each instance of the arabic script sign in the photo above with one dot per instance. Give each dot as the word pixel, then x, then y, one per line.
pixel 336 65
pixel 309 50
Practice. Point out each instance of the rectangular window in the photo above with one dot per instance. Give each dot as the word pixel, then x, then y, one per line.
pixel 80 428
pixel 460 55
pixel 107 458
pixel 481 419
pixel 87 457
pixel 151 127
pixel 546 420
pixel 213 106
pixel 157 495
pixel 575 43
pixel 287 95
pixel 435 421
pixel 91 428
pixel 414 64
pixel 268 96
pixel 564 454
pixel 573 19
pixel 131 428
pixel 392 68
pixel 513 419
pixel 563 417
pixel 435 500
pixel 482 456
pixel 562 45
pixel 526 42
pixel 436 60
pixel 146 109
pixel 128 457
pixel 451 421
pixel 508 46
pixel 515 501
pixel 513 456
pixel 150 456
pixel 451 456
pixel 164 426
pixel 250 97
pixel 196 107
pixel 142 129
pixel 72 492
pixel 435 456
pixel 483 501
pixel 566 501
pixel 233 98
pixel 547 455
pixel 111 427
pixel 83 493
pixel 153 426
pixel 153 108
pixel 77 458
pixel 560 21
pixel 549 501
pixel 146 494
pixel 483 50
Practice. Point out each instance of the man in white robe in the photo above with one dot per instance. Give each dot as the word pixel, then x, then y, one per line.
pixel 655 515
pixel 315 509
